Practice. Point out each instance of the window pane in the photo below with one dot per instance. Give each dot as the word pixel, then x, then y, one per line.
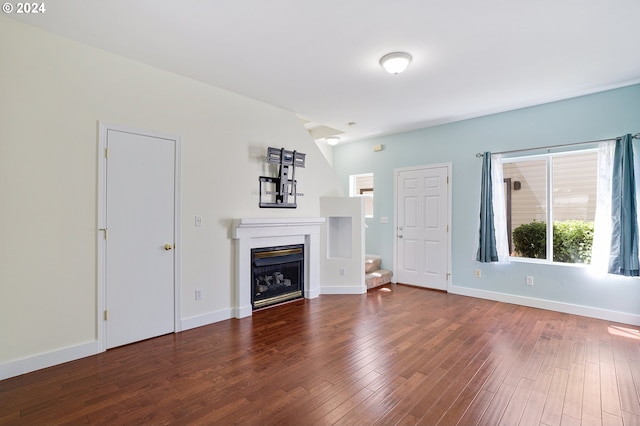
pixel 368 206
pixel 362 186
pixel 574 206
pixel 364 183
pixel 528 207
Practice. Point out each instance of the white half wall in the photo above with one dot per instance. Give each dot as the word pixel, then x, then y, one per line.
pixel 343 246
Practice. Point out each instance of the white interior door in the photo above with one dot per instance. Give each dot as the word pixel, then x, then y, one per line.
pixel 422 241
pixel 139 261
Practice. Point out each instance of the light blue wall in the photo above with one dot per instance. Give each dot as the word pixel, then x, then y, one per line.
pixel 598 116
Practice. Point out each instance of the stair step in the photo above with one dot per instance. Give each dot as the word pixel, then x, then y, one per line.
pixel 371 263
pixel 377 278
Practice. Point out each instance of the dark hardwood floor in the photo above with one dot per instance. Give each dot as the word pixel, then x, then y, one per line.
pixel 397 355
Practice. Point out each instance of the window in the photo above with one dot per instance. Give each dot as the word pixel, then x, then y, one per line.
pixel 557 188
pixel 362 186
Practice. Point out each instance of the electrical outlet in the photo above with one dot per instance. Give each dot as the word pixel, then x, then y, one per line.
pixel 478 273
pixel 342 272
pixel 198 294
pixel 198 220
pixel 529 280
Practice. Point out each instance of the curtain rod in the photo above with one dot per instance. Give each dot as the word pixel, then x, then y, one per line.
pixel 479 154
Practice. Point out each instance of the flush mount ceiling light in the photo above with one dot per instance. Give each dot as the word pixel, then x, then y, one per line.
pixel 395 62
pixel 332 140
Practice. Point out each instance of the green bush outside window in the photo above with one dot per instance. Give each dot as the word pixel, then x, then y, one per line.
pixel 572 241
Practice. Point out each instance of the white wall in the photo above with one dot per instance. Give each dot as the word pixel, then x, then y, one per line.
pixel 53 92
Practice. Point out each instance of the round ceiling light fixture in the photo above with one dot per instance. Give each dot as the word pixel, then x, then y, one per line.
pixel 332 140
pixel 395 62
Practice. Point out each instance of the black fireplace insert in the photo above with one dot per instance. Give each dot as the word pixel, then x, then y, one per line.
pixel 277 274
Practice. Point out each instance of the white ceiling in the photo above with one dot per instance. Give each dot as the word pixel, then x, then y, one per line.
pixel 319 59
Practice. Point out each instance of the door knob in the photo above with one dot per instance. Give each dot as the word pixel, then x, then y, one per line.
pixel 168 246
pixel 399 236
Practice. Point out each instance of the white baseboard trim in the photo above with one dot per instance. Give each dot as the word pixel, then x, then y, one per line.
pixel 345 289
pixel 48 359
pixel 551 305
pixel 242 311
pixel 312 294
pixel 72 353
pixel 206 319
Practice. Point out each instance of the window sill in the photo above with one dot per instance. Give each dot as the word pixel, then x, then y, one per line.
pixel 546 262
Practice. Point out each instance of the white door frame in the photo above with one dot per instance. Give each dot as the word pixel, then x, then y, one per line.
pixel 102 209
pixel 396 173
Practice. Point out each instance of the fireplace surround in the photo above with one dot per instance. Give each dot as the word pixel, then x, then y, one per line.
pixel 253 233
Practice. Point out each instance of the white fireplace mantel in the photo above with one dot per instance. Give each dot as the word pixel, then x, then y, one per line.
pixel 251 233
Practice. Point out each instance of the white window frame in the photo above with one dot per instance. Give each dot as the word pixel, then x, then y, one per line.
pixel 549 202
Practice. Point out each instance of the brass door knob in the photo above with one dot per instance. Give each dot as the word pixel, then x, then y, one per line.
pixel 168 246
